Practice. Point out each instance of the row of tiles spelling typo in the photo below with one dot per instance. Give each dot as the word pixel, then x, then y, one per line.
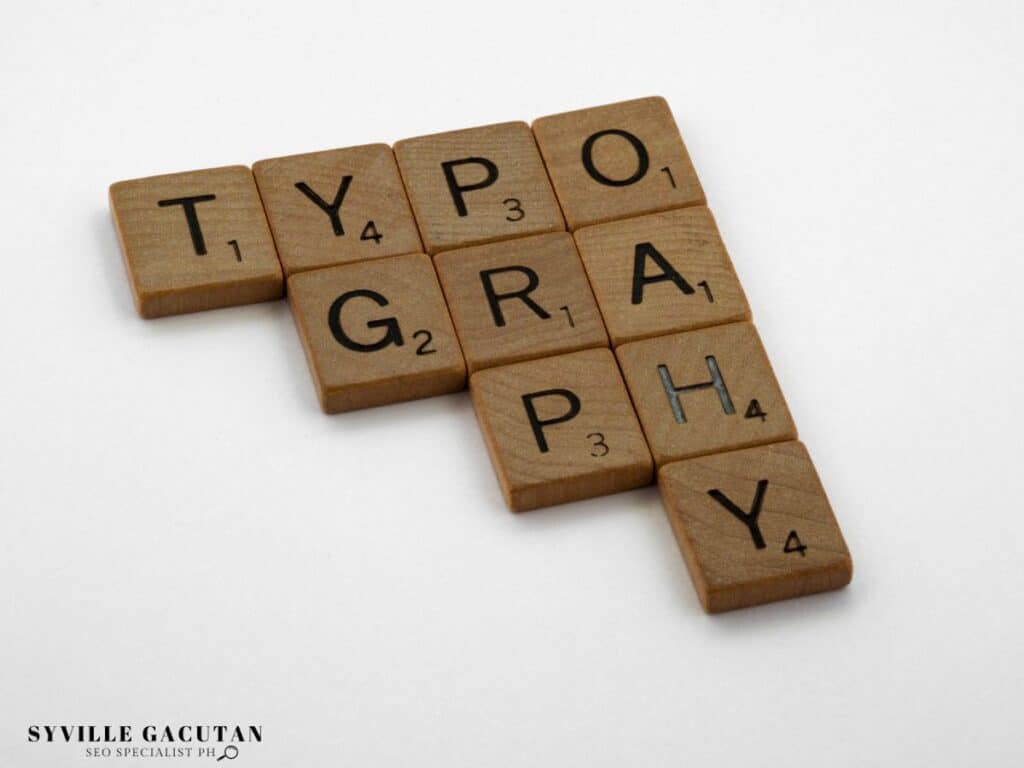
pixel 529 317
pixel 430 194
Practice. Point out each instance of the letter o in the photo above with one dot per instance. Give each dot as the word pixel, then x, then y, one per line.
pixel 642 165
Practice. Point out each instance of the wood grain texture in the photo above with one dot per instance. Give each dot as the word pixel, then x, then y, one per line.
pixel 661 273
pixel 177 266
pixel 787 545
pixel 712 420
pixel 626 177
pixel 370 216
pixel 520 299
pixel 378 351
pixel 598 450
pixel 513 197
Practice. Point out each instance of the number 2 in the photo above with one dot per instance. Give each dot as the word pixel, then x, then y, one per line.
pixel 422 348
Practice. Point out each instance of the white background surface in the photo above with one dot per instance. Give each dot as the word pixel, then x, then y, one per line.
pixel 185 538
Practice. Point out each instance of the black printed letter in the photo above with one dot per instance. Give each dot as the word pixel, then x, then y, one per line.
pixel 393 335
pixel 643 162
pixel 330 209
pixel 538 424
pixel 189 204
pixel 494 298
pixel 646 251
pixel 749 520
pixel 456 189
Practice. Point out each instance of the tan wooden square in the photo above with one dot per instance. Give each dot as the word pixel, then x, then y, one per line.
pixel 195 240
pixel 376 332
pixel 617 161
pixel 520 299
pixel 754 526
pixel 661 273
pixel 336 207
pixel 705 391
pixel 560 429
pixel 478 185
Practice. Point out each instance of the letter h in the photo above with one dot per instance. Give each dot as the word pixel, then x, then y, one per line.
pixel 717 383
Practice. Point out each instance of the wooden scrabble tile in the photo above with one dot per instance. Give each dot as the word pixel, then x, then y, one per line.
pixel 478 185
pixel 705 391
pixel 617 161
pixel 520 299
pixel 336 207
pixel 661 273
pixel 195 240
pixel 376 332
pixel 560 429
pixel 754 526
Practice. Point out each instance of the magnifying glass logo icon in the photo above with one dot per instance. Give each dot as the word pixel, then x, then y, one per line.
pixel 230 753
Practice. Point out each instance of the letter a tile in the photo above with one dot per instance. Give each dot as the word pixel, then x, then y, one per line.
pixel 560 429
pixel 478 185
pixel 661 273
pixel 376 332
pixel 195 240
pixel 705 391
pixel 754 526
pixel 617 161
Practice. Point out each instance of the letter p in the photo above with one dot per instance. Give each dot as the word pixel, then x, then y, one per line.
pixel 538 424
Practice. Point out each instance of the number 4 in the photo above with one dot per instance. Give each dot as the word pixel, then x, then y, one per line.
pixel 754 411
pixel 370 233
pixel 793 544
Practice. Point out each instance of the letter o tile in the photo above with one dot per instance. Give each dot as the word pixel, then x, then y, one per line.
pixel 617 161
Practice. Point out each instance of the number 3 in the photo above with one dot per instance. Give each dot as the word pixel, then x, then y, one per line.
pixel 514 206
pixel 599 447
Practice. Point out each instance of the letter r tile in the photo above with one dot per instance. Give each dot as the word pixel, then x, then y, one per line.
pixel 560 429
pixel 754 526
pixel 705 391
pixel 520 299
pixel 617 161
pixel 478 185
pixel 376 332
pixel 195 240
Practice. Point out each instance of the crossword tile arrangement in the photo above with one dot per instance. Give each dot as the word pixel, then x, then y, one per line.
pixel 570 270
